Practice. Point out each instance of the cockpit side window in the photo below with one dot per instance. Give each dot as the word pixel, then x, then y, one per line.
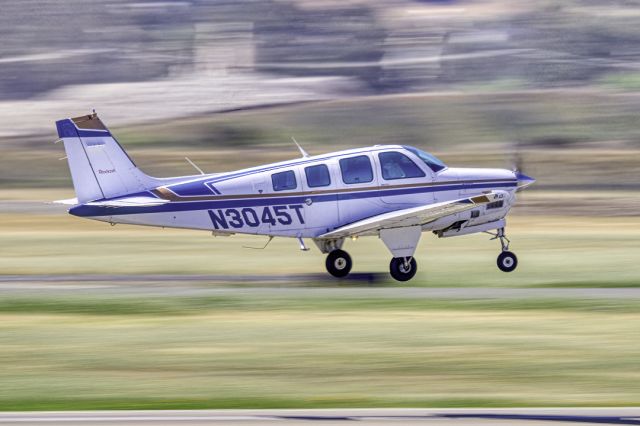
pixel 317 176
pixel 434 163
pixel 396 165
pixel 284 180
pixel 356 169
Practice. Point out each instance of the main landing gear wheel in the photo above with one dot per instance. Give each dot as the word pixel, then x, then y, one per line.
pixel 339 263
pixel 403 268
pixel 507 261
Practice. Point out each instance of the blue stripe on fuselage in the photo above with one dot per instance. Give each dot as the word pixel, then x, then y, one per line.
pixel 177 206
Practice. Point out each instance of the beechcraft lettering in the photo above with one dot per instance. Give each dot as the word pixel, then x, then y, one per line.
pixel 393 192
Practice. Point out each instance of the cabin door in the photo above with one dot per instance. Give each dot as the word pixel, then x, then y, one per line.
pixel 402 183
pixel 320 200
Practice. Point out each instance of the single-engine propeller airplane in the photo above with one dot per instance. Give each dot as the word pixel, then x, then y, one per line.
pixel 391 191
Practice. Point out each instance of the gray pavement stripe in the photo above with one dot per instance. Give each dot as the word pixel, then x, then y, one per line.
pixel 199 285
pixel 624 416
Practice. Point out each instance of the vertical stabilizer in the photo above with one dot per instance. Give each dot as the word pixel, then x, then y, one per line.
pixel 100 168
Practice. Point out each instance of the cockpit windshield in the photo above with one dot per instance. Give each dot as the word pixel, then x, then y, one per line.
pixel 434 164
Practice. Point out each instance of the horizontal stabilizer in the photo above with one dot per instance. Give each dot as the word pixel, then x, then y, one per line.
pixel 67 202
pixel 130 202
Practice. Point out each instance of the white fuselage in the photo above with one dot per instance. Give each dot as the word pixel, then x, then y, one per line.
pixel 304 202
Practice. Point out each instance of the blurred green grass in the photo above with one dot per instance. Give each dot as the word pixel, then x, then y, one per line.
pixel 177 305
pixel 627 81
pixel 553 251
pixel 296 352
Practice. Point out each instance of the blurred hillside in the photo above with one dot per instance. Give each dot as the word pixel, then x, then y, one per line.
pixel 554 83
pixel 387 45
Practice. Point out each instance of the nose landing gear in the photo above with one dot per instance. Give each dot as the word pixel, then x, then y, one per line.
pixel 507 261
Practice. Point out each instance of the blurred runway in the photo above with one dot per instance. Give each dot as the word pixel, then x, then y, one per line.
pixel 362 417
pixel 295 285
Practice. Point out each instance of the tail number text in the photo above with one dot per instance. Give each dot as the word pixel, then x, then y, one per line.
pixel 253 217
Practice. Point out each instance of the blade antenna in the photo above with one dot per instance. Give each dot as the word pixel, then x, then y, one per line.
pixel 302 151
pixel 194 166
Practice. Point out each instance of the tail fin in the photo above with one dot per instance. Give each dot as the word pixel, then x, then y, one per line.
pixel 100 168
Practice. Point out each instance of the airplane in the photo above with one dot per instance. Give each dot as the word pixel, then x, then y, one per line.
pixel 394 192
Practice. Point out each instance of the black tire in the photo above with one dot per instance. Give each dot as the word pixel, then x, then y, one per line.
pixel 507 261
pixel 398 270
pixel 339 263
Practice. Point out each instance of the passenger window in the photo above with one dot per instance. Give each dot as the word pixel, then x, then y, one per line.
pixel 396 165
pixel 317 176
pixel 356 169
pixel 284 180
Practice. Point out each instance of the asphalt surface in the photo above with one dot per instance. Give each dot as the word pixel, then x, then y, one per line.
pixel 301 285
pixel 360 417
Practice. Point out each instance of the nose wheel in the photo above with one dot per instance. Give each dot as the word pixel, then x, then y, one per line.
pixel 339 263
pixel 403 268
pixel 507 261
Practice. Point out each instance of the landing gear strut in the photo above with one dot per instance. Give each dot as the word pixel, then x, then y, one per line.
pixel 339 263
pixel 507 261
pixel 403 268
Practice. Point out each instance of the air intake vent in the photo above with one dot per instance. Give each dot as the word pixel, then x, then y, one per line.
pixel 495 205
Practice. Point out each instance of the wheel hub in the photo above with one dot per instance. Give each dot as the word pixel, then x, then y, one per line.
pixel 340 263
pixel 508 262
pixel 405 268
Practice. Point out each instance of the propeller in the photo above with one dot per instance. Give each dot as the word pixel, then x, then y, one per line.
pixel 518 167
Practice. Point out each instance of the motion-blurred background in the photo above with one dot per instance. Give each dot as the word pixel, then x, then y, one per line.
pixel 552 87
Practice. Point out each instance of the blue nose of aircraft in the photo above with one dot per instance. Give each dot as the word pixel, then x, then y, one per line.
pixel 524 180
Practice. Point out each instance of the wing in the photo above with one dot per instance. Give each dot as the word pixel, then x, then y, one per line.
pixel 413 216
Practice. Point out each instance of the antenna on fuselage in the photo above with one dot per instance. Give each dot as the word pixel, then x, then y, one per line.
pixel 302 151
pixel 194 166
pixel 260 248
